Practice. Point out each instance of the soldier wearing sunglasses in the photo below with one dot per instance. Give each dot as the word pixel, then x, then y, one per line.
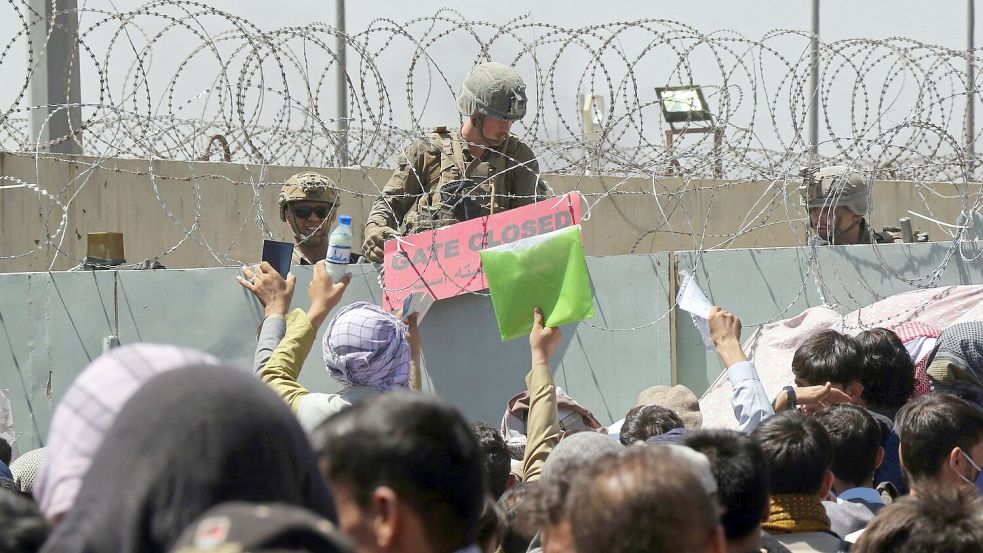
pixel 309 204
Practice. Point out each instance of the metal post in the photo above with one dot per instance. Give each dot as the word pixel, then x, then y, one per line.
pixel 55 83
pixel 969 133
pixel 814 82
pixel 342 46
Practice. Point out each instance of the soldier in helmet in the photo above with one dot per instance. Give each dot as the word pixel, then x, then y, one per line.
pixel 477 170
pixel 838 200
pixel 309 204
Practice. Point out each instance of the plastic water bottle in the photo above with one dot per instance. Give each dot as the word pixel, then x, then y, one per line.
pixel 339 249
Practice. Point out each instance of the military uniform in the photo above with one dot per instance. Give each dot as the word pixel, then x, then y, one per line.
pixel 439 183
pixel 867 234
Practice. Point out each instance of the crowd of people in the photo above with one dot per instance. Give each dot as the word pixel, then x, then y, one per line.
pixel 158 448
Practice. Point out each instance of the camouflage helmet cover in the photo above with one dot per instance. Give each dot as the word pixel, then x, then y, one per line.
pixel 493 89
pixel 311 187
pixel 835 185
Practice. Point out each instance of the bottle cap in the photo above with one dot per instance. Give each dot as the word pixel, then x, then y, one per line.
pixel 345 219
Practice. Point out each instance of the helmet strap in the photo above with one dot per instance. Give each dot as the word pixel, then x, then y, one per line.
pixel 301 238
pixel 478 122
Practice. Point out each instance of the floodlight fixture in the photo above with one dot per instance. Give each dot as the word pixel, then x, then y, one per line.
pixel 683 104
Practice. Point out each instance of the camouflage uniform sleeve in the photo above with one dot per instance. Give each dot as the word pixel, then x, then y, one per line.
pixel 403 189
pixel 527 185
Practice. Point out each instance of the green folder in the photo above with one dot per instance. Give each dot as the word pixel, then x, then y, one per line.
pixel 546 271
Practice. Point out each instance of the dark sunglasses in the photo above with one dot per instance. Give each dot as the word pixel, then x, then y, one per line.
pixel 303 211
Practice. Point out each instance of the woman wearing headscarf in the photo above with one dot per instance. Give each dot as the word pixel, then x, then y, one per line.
pixel 956 365
pixel 89 408
pixel 366 349
pixel 188 440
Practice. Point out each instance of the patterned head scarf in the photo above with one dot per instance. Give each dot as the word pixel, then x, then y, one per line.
pixel 366 346
pixel 88 409
pixel 187 440
pixel 25 468
pixel 956 365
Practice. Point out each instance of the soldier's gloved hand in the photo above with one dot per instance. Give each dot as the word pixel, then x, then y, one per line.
pixel 375 240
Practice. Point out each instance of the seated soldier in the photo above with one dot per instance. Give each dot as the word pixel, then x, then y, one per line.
pixel 309 203
pixel 838 200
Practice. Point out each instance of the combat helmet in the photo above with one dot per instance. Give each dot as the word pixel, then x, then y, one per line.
pixel 310 186
pixel 495 90
pixel 835 185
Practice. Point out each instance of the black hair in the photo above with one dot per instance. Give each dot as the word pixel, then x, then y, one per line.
pixel 5 453
pixel 888 371
pixel 856 437
pixel 645 421
pixel 420 447
pixel 931 426
pixel 798 452
pixel 495 458
pixel 828 356
pixel 738 465
pixel 492 525
pixel 942 519
pixel 22 528
pixel 517 501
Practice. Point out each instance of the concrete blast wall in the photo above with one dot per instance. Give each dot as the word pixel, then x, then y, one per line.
pixel 202 214
pixel 53 324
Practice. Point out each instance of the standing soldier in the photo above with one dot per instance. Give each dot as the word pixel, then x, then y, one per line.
pixel 309 204
pixel 837 200
pixel 448 177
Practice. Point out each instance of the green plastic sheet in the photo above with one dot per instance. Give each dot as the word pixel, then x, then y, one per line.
pixel 546 271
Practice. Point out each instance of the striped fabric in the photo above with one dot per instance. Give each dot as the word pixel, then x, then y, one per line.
pixel 366 346
pixel 88 409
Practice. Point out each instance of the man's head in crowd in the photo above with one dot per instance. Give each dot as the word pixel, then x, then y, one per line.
pixel 798 453
pixel 645 421
pixel 938 520
pixel 643 500
pixel 679 399
pixel 406 473
pixel 941 441
pixel 517 505
pixel 495 457
pixel 829 356
pixel 572 454
pixel 738 465
pixel 856 437
pixel 888 371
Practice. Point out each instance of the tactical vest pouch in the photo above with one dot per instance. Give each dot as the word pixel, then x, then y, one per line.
pixel 458 202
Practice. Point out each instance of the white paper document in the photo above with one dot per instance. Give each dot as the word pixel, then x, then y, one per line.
pixel 417 302
pixel 692 300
